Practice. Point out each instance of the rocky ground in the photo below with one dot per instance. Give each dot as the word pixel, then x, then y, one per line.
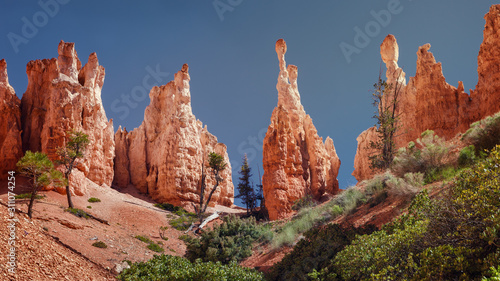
pixel 56 245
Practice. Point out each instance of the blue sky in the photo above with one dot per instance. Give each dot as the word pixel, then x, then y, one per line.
pixel 229 46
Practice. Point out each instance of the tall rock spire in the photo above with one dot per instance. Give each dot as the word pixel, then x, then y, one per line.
pixel 296 160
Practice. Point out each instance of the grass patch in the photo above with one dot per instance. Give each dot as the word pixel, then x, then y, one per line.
pixel 28 196
pixel 184 221
pixel 144 239
pixel 77 212
pixel 94 200
pixel 100 244
pixel 155 247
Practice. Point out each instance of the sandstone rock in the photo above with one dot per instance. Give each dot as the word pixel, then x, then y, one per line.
pixel 428 102
pixel 10 127
pixel 296 160
pixel 61 96
pixel 163 157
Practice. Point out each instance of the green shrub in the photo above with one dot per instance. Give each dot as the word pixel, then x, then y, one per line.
pixel 410 184
pixel 467 156
pixel 304 202
pixel 28 196
pixel 94 200
pixel 99 244
pixel 77 212
pixel 165 267
pixel 484 134
pixel 230 241
pixel 184 221
pixel 428 156
pixel 168 207
pixel 89 207
pixel 155 247
pixel 144 239
pixel 315 251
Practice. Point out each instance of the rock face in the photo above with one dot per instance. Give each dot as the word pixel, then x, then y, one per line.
pixel 61 96
pixel 428 102
pixel 163 157
pixel 10 127
pixel 295 159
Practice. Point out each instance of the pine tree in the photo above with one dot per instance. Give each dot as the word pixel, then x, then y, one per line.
pixel 245 188
pixel 69 155
pixel 38 168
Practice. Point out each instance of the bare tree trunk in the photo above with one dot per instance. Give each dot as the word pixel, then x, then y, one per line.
pixel 32 202
pixel 68 194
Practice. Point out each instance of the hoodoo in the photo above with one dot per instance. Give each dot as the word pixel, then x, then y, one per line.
pixel 163 157
pixel 296 160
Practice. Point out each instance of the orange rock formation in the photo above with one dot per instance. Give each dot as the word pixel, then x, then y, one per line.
pixel 10 127
pixel 163 157
pixel 428 102
pixel 295 159
pixel 61 96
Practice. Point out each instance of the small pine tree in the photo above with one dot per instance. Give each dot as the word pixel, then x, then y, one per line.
pixel 69 155
pixel 38 168
pixel 385 99
pixel 217 164
pixel 245 188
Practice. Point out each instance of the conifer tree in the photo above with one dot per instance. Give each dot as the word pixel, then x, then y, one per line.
pixel 245 187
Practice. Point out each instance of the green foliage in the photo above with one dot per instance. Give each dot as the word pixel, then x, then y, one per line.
pixel 28 195
pixel 144 239
pixel 314 252
pixel 427 157
pixel 216 162
pixel 155 247
pixel 304 202
pixel 77 212
pixel 89 207
pixel 230 241
pixel 169 207
pixel 494 274
pixel 245 188
pixel 38 168
pixel 467 156
pixel 94 200
pixel 484 134
pixel 184 221
pixel 99 244
pixel 165 267
pixel 385 99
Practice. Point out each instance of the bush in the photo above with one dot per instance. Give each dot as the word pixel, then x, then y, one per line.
pixel 484 134
pixel 315 251
pixel 184 221
pixel 168 207
pixel 409 185
pixel 165 267
pixel 155 247
pixel 230 241
pixel 77 212
pixel 99 244
pixel 427 156
pixel 467 156
pixel 28 196
pixel 304 202
pixel 94 200
pixel 144 239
